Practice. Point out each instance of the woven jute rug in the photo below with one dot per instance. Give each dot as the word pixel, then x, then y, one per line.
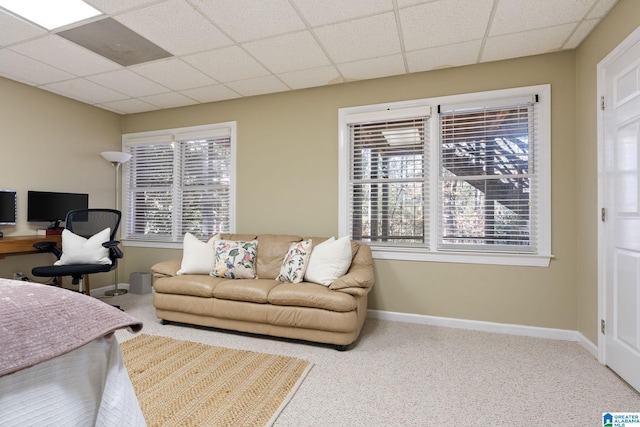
pixel 182 383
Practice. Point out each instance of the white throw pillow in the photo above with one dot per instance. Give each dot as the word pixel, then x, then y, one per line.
pixel 329 260
pixel 78 250
pixel 197 256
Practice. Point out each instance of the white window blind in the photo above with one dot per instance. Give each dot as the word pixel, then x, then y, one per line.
pixel 179 184
pixel 205 191
pixel 387 191
pixel 487 194
pixel 149 186
pixel 460 178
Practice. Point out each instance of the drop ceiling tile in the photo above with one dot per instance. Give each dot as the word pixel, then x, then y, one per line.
pixel 601 8
pixel 443 56
pixel 24 69
pixel 539 14
pixel 128 106
pixel 373 68
pixel 246 20
pixel 526 43
pixel 128 82
pixel 287 44
pixel 227 64
pixel 311 78
pixel 444 22
pixel 211 93
pixel 117 6
pixel 318 13
pixel 289 52
pixel 360 39
pixel 580 33
pixel 169 100
pixel 67 56
pixel 15 30
pixel 176 27
pixel 85 90
pixel 174 74
pixel 258 86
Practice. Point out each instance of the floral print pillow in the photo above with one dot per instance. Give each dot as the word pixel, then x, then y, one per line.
pixel 295 262
pixel 235 260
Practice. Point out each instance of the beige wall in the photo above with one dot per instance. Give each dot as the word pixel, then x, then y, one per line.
pixel 288 183
pixel 287 162
pixel 52 143
pixel 623 19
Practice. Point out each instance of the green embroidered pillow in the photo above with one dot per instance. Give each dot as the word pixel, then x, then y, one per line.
pixel 295 262
pixel 235 260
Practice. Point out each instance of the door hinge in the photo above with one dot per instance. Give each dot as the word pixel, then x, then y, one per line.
pixel 603 326
pixel 602 102
pixel 603 214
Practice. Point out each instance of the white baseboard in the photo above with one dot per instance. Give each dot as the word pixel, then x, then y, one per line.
pixel 588 345
pixel 478 325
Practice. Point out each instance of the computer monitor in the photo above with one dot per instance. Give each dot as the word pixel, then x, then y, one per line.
pixel 8 205
pixel 48 206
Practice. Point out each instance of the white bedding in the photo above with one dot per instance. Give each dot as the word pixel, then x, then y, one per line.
pixel 86 387
pixel 60 362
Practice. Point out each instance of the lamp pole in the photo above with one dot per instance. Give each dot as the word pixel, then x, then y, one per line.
pixel 116 158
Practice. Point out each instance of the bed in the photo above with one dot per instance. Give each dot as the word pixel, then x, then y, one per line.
pixel 60 362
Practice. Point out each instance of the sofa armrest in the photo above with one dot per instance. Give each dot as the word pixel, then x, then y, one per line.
pixel 360 277
pixel 166 268
pixel 357 282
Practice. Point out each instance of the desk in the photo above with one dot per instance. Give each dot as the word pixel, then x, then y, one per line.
pixel 21 245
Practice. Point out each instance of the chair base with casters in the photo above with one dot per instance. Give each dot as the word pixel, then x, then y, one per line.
pixel 85 223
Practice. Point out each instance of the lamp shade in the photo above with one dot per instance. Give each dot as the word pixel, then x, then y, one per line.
pixel 116 156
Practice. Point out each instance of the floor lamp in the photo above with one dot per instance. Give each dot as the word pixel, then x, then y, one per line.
pixel 116 158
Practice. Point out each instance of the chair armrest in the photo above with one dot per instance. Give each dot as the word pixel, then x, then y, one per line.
pixel 48 247
pixel 115 251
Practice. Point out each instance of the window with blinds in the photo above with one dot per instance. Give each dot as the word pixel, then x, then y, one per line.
pixel 387 185
pixel 487 179
pixel 179 182
pixel 460 178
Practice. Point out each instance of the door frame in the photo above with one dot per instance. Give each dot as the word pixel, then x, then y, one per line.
pixel 608 60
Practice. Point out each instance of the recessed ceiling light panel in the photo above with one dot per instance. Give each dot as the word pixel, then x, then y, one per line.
pixel 50 14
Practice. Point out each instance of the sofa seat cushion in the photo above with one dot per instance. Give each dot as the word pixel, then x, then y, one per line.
pixel 196 285
pixel 249 290
pixel 311 295
pixel 233 314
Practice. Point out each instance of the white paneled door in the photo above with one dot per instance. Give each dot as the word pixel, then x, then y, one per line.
pixel 620 231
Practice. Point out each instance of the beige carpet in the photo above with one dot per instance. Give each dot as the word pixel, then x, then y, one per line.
pixel 404 374
pixel 182 383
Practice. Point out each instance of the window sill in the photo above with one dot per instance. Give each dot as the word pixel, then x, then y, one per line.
pixel 406 254
pixel 152 244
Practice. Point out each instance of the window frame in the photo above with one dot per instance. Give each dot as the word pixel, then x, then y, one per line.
pixel 540 258
pixel 173 136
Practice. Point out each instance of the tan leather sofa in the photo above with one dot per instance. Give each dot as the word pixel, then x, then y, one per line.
pixel 331 314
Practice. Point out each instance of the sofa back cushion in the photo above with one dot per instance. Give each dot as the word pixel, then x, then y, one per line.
pixel 272 249
pixel 238 237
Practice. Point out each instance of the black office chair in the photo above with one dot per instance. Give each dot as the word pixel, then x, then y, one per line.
pixel 85 223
